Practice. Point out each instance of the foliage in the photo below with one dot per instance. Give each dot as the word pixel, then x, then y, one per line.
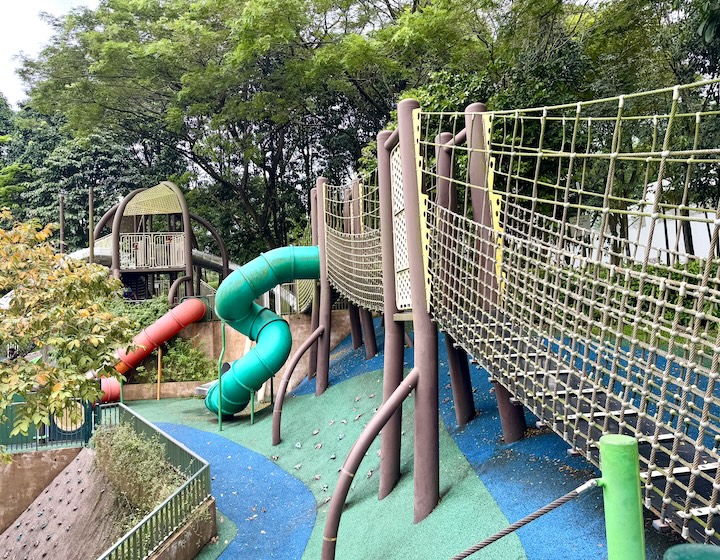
pixel 141 314
pixel 262 97
pixel 136 467
pixel 59 304
pixel 43 161
pixel 180 362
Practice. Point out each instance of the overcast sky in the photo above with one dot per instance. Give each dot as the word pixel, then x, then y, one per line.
pixel 22 30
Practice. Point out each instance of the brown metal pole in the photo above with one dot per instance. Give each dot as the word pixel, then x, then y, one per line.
pixel 512 417
pixel 366 322
pixel 394 330
pixel 457 358
pixel 62 223
pixel 323 355
pixel 91 224
pixel 368 330
pixel 289 369
pixel 315 313
pixel 117 221
pixel 187 230
pixel 427 439
pixel 355 328
pixel 355 457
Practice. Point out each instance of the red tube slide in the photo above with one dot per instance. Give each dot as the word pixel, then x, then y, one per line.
pixel 167 326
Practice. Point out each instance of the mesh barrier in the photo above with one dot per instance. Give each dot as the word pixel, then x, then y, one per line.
pixel 580 267
pixel 352 229
pixel 403 295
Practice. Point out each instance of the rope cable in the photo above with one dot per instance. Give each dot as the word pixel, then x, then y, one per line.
pixel 527 519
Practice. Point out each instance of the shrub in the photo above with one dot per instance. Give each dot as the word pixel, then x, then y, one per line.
pixel 136 467
pixel 181 362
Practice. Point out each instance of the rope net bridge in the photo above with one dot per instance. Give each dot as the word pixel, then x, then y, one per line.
pixel 352 229
pixel 573 253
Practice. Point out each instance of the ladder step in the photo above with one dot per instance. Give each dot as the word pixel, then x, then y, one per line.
pixel 679 470
pixel 599 414
pixel 543 372
pixel 564 393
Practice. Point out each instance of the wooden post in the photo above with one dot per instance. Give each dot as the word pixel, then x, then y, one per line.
pixel 159 353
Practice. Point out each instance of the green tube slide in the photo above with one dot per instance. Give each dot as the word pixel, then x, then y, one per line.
pixel 235 304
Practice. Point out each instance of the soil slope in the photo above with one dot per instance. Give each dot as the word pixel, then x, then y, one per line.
pixel 72 519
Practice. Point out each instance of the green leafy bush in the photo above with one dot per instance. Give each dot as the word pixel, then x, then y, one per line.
pixel 181 362
pixel 143 313
pixel 136 467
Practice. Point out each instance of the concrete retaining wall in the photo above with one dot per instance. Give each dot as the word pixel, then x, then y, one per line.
pixel 27 476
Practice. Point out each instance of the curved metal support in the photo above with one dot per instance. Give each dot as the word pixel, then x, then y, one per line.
pixel 172 292
pixel 106 218
pixel 289 369
pixel 117 220
pixel 223 251
pixel 355 457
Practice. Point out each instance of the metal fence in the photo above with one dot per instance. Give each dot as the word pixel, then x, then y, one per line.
pixel 150 533
pixel 72 428
pixel 152 250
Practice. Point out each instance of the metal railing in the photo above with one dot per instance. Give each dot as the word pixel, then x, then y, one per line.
pixel 152 250
pixel 150 533
pixel 71 429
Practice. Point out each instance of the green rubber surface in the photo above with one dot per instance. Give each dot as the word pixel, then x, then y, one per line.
pixel 226 532
pixel 317 435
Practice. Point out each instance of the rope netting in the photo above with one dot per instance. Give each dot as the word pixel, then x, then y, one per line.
pixel 352 229
pixel 578 262
pixel 305 289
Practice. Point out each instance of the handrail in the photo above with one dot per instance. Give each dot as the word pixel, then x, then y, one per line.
pixel 280 398
pixel 355 457
pixel 456 140
pixel 392 140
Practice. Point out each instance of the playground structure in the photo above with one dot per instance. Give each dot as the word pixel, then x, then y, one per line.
pixel 150 261
pixel 567 251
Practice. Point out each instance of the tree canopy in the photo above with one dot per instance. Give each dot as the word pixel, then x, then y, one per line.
pixel 259 97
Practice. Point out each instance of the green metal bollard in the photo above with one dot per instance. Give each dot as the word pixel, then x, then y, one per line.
pixel 620 466
pixel 692 552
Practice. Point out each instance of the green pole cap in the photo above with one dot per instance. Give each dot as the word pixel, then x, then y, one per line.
pixel 692 552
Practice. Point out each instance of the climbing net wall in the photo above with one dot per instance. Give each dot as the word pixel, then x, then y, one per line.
pixel 352 230
pixel 576 259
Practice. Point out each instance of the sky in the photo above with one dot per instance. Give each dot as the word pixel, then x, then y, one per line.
pixel 22 31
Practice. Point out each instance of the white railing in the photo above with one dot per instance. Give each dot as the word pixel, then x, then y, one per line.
pixel 152 250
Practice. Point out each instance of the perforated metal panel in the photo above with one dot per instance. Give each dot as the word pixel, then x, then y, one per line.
pixel 403 295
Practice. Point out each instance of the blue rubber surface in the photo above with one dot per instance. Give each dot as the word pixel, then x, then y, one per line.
pixel 249 487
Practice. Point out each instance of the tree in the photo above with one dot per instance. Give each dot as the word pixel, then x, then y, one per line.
pixel 44 160
pixel 60 304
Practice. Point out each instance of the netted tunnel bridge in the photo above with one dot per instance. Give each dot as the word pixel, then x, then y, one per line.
pixel 571 252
